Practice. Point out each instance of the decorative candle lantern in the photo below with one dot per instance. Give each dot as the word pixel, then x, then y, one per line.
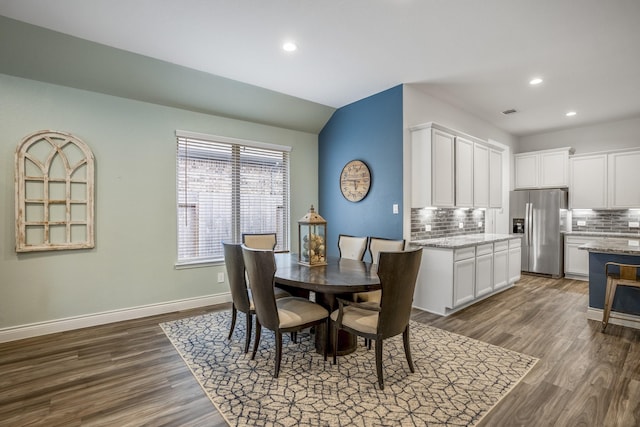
pixel 312 231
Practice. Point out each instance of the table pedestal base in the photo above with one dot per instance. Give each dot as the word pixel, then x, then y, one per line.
pixel 347 342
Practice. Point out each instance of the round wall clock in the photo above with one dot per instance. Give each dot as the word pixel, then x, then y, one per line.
pixel 355 180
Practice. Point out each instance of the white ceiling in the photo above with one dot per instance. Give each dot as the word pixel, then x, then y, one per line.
pixel 475 54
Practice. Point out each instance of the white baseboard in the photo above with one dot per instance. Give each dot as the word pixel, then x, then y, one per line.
pixel 60 325
pixel 615 318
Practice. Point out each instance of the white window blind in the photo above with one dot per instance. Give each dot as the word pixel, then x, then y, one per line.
pixel 225 188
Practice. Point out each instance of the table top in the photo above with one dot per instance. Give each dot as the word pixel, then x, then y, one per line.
pixel 338 276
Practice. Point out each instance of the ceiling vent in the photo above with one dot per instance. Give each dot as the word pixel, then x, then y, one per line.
pixel 509 111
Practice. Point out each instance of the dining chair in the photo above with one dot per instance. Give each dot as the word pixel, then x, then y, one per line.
pixel 626 275
pixel 397 272
pixel 260 240
pixel 377 244
pixel 290 314
pixel 241 296
pixel 352 247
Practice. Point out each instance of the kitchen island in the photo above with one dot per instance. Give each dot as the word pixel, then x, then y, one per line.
pixel 458 271
pixel 626 305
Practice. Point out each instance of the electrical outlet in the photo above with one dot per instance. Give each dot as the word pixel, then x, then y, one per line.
pixel 395 208
pixel 220 277
pixel 582 223
pixel 461 225
pixel 634 224
pixel 479 223
pixel 427 227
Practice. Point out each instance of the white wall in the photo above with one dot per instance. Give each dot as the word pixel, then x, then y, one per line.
pixel 587 139
pixel 420 107
pixel 134 145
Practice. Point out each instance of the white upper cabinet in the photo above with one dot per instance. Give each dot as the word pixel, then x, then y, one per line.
pixel 495 178
pixel 442 167
pixel 464 173
pixel 554 169
pixel 588 182
pixel 432 168
pixel 452 169
pixel 605 180
pixel 481 187
pixel 624 176
pixel 526 166
pixel 542 169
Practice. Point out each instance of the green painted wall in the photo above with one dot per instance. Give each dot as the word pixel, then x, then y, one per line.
pixel 133 142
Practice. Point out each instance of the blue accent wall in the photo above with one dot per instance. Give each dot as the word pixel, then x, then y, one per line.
pixel 369 130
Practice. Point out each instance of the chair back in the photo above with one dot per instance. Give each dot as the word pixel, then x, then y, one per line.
pixel 398 272
pixel 260 240
pixel 377 244
pixel 234 262
pixel 352 247
pixel 261 269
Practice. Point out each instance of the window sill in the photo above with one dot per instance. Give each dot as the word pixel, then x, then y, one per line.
pixel 197 264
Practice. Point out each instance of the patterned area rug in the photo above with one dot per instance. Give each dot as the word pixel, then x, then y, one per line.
pixel 456 382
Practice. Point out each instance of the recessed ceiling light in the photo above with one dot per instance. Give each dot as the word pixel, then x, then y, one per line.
pixel 290 47
pixel 535 81
pixel 571 114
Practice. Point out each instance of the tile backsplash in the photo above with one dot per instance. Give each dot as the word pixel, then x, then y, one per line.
pixel 446 222
pixel 605 221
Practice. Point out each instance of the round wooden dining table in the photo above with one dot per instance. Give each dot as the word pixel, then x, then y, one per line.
pixel 339 278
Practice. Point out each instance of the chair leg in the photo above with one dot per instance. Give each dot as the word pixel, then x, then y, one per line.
pixel 612 285
pixel 233 320
pixel 407 348
pixel 278 337
pixel 326 342
pixel 335 343
pixel 247 338
pixel 379 363
pixel 256 341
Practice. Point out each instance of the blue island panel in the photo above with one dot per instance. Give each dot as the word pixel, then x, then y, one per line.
pixel 627 300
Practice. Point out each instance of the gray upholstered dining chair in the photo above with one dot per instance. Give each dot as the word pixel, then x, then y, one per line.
pixel 241 296
pixel 398 272
pixel 290 314
pixel 376 245
pixel 260 240
pixel 352 247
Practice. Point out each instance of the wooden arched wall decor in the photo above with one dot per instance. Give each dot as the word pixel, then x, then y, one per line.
pixel 54 193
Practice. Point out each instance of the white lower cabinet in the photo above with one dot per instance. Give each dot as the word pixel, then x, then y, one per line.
pixel 501 265
pixel 452 278
pixel 515 260
pixel 463 276
pixel 576 261
pixel 484 269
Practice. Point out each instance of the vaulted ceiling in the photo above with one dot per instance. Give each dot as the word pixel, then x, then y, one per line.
pixel 225 56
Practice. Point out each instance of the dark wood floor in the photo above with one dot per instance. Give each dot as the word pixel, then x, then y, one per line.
pixel 128 374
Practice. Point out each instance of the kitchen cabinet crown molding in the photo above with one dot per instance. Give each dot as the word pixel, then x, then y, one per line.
pixel 598 153
pixel 454 132
pixel 571 150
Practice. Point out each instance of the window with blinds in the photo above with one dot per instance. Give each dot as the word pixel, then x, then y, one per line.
pixel 227 187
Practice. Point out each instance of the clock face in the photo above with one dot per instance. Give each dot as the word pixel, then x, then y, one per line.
pixel 355 180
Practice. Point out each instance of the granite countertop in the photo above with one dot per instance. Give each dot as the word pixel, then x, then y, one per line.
pixel 601 234
pixel 455 242
pixel 614 246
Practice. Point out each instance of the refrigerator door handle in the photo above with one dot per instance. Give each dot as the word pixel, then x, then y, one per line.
pixel 530 217
pixel 526 224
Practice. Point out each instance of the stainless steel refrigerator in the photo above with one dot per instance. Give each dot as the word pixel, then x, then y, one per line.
pixel 540 216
